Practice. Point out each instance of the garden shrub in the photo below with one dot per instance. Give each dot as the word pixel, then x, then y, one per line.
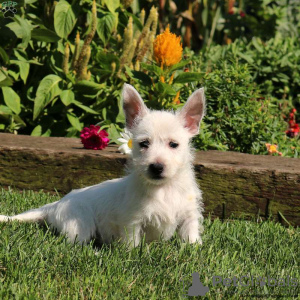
pixel 274 64
pixel 239 117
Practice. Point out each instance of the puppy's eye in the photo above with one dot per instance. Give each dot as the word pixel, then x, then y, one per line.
pixel 173 145
pixel 144 144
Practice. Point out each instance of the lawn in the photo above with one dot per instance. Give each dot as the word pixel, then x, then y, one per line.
pixel 37 264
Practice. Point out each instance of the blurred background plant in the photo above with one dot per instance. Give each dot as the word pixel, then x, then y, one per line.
pixel 63 65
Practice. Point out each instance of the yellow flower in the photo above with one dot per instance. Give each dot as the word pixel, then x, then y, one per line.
pixel 272 149
pixel 167 48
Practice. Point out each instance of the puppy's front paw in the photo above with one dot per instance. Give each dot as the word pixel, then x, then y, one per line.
pixel 194 239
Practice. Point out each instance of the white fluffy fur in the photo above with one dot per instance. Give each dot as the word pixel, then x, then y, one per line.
pixel 129 207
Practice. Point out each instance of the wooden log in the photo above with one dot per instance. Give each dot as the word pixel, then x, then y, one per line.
pixel 233 184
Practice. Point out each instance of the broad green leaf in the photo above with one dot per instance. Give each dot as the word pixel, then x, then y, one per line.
pixel 4 110
pixel 11 99
pixel 64 19
pixel 166 89
pixel 22 29
pixel 106 25
pixel 74 121
pixel 86 87
pixel 106 59
pixel 67 97
pixel 24 68
pixel 4 79
pixel 37 131
pixel 112 5
pixel 85 108
pixel 44 35
pixel 188 77
pixel 47 90
pixel 152 68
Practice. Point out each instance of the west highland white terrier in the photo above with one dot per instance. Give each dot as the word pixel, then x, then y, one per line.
pixel 159 196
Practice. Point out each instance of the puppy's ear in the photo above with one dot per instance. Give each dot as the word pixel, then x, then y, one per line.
pixel 133 105
pixel 193 111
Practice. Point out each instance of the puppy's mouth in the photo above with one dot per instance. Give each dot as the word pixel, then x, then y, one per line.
pixel 157 176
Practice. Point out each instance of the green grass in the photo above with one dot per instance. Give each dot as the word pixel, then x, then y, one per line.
pixel 36 264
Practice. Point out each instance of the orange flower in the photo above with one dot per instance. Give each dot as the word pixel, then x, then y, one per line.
pixel 176 99
pixel 167 48
pixel 272 149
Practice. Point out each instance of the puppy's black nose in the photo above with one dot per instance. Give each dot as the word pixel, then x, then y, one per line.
pixel 156 169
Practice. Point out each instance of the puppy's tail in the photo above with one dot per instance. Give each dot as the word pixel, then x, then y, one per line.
pixel 31 216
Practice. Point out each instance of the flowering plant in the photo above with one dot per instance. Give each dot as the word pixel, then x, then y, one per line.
pixel 293 126
pixel 126 141
pixel 166 75
pixel 94 138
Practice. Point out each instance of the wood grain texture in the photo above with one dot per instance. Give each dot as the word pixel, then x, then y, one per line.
pixel 233 184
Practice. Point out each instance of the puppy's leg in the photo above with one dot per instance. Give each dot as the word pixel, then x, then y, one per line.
pixel 132 235
pixel 190 228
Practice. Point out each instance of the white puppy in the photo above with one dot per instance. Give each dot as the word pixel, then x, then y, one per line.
pixel 158 197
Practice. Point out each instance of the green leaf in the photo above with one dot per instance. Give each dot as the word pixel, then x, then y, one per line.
pixel 188 77
pixel 46 92
pixel 112 5
pixel 180 65
pixel 74 121
pixel 141 78
pixel 106 25
pixel 257 44
pixel 88 87
pixel 152 68
pixel 106 59
pixel 113 134
pixel 64 19
pixel 4 56
pixel 11 99
pixel 85 108
pixel 37 131
pixel 67 97
pixel 166 89
pixel 4 110
pixel 246 57
pixel 4 79
pixel 22 29
pixel 24 68
pixel 44 35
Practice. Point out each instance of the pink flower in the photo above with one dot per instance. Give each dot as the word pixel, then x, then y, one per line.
pixel 94 138
pixel 242 14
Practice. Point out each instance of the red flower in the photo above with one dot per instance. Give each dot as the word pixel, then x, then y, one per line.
pixel 94 138
pixel 242 14
pixel 294 129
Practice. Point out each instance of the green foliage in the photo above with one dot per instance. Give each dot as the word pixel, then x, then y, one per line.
pixel 54 84
pixel 238 117
pixel 274 65
pixel 43 93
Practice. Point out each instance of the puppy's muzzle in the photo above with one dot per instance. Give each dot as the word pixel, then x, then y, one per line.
pixel 156 170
